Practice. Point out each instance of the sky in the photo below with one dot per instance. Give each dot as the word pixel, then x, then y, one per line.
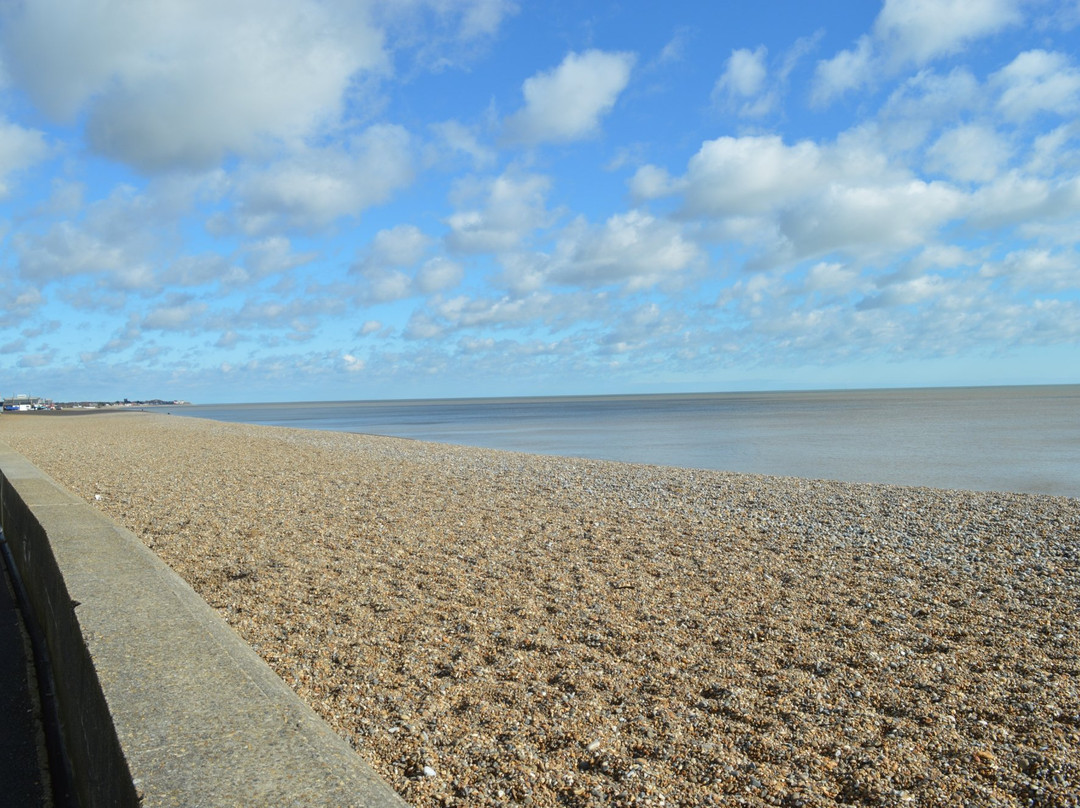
pixel 298 200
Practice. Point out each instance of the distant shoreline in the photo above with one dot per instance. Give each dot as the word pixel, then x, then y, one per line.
pixel 1002 439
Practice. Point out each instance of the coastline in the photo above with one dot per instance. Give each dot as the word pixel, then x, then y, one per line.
pixel 488 627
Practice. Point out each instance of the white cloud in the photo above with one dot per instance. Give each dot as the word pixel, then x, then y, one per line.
pixel 567 102
pixel 438 274
pixel 674 49
pixel 917 31
pixel 370 327
pixel 1038 81
pixel 463 312
pixel 299 314
pixel 437 35
pixel 743 82
pixel 273 255
pixel 633 249
pixel 514 206
pixel 422 326
pixel 17 302
pixel 179 316
pixel 910 32
pixel 868 220
pixel 1051 152
pixel 460 138
pixel 483 17
pixel 37 360
pixel 229 339
pixel 805 200
pixel 385 285
pixel 20 148
pixel 66 251
pixel 926 102
pixel 182 83
pixel 848 70
pixel 400 246
pixel 969 153
pixel 1014 199
pixel 908 292
pixel 394 250
pixel 318 186
pixel 738 176
pixel 744 74
pixel 651 182
pixel 832 278
pixel 1036 268
pixel 198 270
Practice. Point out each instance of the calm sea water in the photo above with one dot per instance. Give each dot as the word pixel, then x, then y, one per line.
pixel 984 438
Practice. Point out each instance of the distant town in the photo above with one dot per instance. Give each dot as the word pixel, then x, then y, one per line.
pixel 26 403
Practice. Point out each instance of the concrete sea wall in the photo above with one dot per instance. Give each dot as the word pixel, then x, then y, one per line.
pixel 160 702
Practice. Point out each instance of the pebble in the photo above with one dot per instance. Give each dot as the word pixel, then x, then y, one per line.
pixel 484 618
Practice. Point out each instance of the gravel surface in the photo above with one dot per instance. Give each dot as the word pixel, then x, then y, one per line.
pixel 492 628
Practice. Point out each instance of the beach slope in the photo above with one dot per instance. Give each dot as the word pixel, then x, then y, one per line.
pixel 490 628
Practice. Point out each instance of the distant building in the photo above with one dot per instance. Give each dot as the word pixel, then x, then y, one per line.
pixel 23 403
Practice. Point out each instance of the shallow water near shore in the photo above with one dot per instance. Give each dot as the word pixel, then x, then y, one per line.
pixel 1022 439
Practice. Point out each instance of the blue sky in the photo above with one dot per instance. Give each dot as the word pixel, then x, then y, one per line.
pixel 270 200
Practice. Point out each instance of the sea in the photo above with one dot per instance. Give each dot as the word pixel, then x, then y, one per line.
pixel 1021 439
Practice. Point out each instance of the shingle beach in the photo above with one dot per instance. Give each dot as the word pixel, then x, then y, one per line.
pixel 493 628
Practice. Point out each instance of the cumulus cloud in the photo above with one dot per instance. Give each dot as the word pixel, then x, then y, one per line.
pixel 848 70
pixel 124 241
pixel 37 360
pixel 743 83
pixel 747 175
pixel 66 251
pixel 969 153
pixel 927 101
pixel 910 32
pixel 744 73
pixel 1038 81
pixel 463 312
pixel 177 316
pixel 459 138
pixel 438 35
pixel 832 278
pixel 1036 268
pixel 567 102
pixel 20 148
pixel 384 285
pixel 634 250
pixel 651 182
pixel 370 327
pixel 273 255
pixel 392 252
pixel 512 207
pixel 866 220
pixel 182 83
pixel 907 292
pixel 439 274
pixel 1014 199
pixel 917 31
pixel 806 200
pixel 400 246
pixel 315 187
pixel 199 270
pixel 18 302
pixel 353 364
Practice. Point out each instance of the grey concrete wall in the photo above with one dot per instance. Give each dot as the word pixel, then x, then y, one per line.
pixel 162 704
